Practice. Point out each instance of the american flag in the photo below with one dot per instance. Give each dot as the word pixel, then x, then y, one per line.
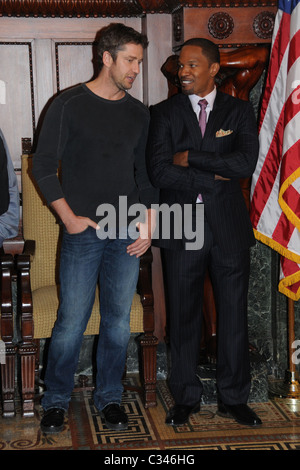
pixel 275 190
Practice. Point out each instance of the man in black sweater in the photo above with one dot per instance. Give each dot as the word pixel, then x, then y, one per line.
pixel 98 132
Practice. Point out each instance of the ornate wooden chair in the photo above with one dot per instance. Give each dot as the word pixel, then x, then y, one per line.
pixel 7 346
pixel 38 294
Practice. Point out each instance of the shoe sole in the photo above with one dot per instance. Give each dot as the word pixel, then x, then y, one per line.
pixel 193 412
pixel 114 427
pixel 229 416
pixel 177 424
pixel 56 430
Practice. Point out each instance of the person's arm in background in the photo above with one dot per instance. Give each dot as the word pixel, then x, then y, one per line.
pixel 9 220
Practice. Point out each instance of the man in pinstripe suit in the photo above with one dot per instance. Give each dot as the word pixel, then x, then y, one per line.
pixel 191 168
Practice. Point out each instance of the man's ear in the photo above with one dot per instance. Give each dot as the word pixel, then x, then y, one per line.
pixel 214 69
pixel 107 59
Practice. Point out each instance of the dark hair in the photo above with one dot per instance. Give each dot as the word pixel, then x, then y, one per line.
pixel 114 37
pixel 209 49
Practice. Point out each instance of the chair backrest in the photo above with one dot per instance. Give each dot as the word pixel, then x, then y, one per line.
pixel 39 224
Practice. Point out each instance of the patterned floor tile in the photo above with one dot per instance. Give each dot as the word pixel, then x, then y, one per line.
pixel 147 431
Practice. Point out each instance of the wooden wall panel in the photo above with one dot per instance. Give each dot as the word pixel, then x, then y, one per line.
pixel 16 111
pixel 225 25
pixel 40 57
pixel 74 63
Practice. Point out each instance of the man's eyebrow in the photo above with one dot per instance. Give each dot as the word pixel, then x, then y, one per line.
pixel 133 57
pixel 191 61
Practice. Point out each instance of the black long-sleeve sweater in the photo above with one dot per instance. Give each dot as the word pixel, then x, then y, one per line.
pixel 101 145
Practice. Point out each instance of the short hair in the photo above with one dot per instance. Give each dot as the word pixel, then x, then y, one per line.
pixel 209 49
pixel 114 37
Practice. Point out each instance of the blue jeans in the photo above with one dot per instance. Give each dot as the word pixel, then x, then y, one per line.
pixel 86 259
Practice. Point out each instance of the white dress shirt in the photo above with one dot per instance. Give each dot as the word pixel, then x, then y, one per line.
pixel 210 98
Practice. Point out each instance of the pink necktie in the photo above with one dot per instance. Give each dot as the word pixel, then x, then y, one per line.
pixel 202 116
pixel 202 125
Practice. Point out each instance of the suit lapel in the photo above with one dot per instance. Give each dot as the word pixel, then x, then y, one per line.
pixel 215 120
pixel 216 117
pixel 192 124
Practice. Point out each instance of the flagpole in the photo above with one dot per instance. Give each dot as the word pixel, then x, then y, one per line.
pixel 289 388
pixel 292 378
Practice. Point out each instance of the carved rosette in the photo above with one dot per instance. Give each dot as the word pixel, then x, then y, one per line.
pixel 220 25
pixel 263 24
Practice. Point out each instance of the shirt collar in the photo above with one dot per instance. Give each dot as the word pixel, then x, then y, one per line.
pixel 210 98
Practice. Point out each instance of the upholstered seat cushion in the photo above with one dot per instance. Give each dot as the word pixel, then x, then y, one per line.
pixel 45 305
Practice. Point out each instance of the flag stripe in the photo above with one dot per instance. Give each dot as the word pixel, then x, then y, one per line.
pixel 271 212
pixel 285 228
pixel 279 47
pixel 292 199
pixel 267 174
pixel 294 47
pixel 290 282
pixel 290 160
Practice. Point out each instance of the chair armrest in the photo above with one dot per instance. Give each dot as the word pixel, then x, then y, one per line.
pixel 6 260
pixel 29 248
pixel 7 263
pixel 24 259
pixel 145 291
pixel 145 279
pixel 25 306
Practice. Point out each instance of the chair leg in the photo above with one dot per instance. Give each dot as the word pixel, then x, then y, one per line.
pixel 148 359
pixel 28 365
pixel 8 382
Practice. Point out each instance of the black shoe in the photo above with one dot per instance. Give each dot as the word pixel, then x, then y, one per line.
pixel 179 414
pixel 241 413
pixel 53 421
pixel 115 418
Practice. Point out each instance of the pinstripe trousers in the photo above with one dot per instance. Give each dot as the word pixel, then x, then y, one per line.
pixel 184 275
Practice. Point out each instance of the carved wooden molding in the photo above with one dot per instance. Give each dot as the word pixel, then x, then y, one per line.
pixel 113 8
pixel 263 24
pixel 220 25
pixel 84 8
pixel 227 3
pixel 228 26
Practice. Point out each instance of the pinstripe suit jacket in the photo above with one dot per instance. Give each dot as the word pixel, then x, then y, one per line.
pixel 174 128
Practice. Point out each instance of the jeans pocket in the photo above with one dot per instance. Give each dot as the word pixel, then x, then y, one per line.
pixel 77 233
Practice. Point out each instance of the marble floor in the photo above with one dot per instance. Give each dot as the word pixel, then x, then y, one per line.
pixel 148 434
